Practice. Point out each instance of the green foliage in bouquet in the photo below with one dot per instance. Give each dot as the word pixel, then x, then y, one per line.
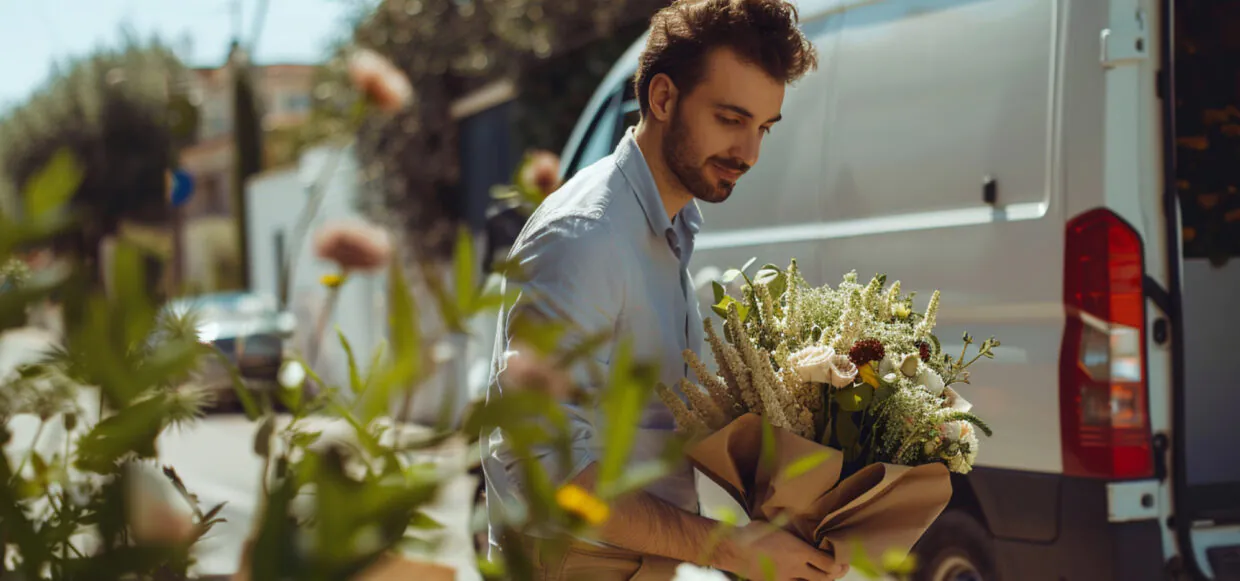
pixel 854 367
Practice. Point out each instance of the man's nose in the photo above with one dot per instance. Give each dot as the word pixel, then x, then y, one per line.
pixel 747 149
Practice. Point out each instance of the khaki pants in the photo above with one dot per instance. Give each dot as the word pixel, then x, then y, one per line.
pixel 584 562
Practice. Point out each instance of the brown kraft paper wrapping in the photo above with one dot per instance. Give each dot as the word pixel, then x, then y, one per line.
pixel 884 506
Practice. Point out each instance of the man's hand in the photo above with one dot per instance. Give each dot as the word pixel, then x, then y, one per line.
pixel 789 557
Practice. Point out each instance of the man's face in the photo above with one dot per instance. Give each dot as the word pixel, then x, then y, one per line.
pixel 716 129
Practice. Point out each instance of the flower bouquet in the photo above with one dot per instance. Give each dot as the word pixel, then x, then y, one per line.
pixel 833 411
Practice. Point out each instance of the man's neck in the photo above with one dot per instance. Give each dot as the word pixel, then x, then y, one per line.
pixel 673 194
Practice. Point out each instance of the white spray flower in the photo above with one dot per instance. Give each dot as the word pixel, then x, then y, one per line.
pixel 931 380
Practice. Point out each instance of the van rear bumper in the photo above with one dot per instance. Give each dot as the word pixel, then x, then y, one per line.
pixel 1054 527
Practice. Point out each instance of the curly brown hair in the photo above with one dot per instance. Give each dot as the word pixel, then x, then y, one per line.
pixel 763 32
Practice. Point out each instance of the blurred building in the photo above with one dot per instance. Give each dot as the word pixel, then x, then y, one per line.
pixel 210 251
pixel 285 91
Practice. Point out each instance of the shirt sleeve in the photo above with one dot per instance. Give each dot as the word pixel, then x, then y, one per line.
pixel 570 273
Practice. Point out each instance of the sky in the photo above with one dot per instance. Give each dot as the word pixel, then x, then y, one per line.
pixel 36 33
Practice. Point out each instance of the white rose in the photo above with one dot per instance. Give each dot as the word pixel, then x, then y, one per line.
pixel 821 364
pixel 843 371
pixel 931 381
pixel 955 430
pixel 955 401
pixel 965 437
pixel 962 462
pixel 813 363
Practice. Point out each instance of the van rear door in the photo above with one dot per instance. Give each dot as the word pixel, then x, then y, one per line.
pixel 1202 206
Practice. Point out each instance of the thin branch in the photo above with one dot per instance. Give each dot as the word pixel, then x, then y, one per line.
pixel 26 458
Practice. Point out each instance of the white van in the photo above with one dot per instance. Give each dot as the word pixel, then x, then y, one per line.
pixel 1018 155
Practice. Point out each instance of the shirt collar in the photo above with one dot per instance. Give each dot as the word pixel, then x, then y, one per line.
pixel 633 165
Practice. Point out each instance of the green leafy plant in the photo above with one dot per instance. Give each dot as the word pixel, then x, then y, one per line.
pixel 69 515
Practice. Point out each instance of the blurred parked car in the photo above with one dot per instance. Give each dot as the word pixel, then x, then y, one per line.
pixel 249 329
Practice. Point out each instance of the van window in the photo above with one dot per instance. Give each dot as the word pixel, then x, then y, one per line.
pixel 632 113
pixel 927 107
pixel 600 140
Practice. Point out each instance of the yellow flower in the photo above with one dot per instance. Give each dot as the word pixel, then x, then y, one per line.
pixel 903 311
pixel 332 280
pixel 867 374
pixel 576 500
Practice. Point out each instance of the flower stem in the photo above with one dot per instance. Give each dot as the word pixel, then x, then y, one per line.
pixel 26 458
pixel 316 340
pixel 318 191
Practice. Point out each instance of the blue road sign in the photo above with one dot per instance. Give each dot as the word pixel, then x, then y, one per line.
pixel 182 187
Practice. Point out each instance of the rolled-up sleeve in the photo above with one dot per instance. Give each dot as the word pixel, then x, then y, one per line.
pixel 571 273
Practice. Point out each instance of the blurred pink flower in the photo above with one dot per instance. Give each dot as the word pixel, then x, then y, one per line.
pixel 379 80
pixel 524 370
pixel 157 515
pixel 353 245
pixel 161 524
pixel 541 172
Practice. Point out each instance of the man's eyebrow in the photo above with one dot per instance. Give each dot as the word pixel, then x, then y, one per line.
pixel 745 112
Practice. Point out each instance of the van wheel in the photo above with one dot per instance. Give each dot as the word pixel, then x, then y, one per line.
pixel 955 548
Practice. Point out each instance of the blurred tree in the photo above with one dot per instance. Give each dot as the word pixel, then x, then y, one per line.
pixel 122 113
pixel 447 48
pixel 552 92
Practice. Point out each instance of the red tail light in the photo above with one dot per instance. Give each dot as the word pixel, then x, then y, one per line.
pixel 1103 403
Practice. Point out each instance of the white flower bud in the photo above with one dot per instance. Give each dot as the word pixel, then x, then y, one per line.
pixel 911 365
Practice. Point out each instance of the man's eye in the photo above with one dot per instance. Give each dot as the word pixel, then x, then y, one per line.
pixel 766 130
pixel 729 121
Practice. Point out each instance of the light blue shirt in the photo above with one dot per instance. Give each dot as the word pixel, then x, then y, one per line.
pixel 602 253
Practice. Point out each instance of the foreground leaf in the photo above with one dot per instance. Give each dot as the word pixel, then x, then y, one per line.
pixel 132 429
pixel 53 186
pixel 463 266
pixel 805 464
pixel 355 377
pixel 240 389
pixel 854 399
pixel 622 402
pixel 406 361
pixel 862 563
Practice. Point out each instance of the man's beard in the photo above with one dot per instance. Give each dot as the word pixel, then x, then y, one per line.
pixel 682 160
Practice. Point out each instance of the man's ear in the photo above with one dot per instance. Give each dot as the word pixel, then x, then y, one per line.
pixel 663 96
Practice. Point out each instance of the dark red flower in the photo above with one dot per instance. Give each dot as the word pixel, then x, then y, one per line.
pixel 865 351
pixel 923 349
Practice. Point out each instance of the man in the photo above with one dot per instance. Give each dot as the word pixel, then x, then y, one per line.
pixel 609 252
